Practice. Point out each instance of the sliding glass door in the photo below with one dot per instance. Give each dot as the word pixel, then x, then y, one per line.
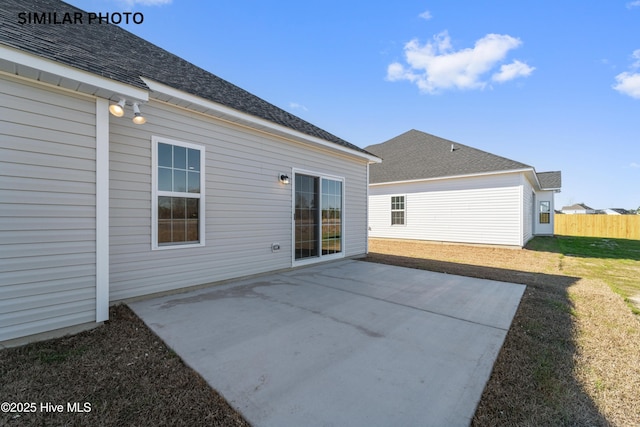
pixel 318 216
pixel 306 216
pixel 331 216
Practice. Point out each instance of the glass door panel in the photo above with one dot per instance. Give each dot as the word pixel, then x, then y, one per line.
pixel 331 216
pixel 306 216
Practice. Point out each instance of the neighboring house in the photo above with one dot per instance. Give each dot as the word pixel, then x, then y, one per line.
pixel 429 188
pixel 96 208
pixel 616 211
pixel 578 208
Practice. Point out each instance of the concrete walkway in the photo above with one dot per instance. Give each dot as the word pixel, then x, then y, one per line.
pixel 349 343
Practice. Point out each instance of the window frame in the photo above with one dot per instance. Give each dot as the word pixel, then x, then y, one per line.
pixel 339 224
pixel 403 210
pixel 544 213
pixel 155 194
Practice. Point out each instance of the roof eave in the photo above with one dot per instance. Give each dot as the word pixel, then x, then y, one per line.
pixel 27 65
pixel 453 177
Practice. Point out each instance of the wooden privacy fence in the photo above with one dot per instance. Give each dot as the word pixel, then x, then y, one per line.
pixel 613 226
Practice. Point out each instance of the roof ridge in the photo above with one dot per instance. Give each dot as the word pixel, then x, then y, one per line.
pixel 415 155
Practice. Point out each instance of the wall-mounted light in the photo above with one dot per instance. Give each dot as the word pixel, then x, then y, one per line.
pixel 138 118
pixel 118 109
pixel 284 178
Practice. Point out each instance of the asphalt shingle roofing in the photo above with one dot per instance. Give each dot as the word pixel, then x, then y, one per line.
pixel 418 155
pixel 112 52
pixel 550 180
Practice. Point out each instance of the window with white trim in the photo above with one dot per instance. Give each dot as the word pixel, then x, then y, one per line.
pixel 397 210
pixel 178 199
pixel 545 212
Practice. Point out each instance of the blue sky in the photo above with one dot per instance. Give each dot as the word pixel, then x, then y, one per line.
pixel 553 84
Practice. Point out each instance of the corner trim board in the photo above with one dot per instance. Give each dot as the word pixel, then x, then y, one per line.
pixel 102 210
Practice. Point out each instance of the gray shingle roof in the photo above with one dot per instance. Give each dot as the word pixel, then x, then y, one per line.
pixel 112 52
pixel 550 180
pixel 419 155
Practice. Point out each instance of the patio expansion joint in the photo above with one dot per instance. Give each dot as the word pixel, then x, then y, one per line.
pixel 412 307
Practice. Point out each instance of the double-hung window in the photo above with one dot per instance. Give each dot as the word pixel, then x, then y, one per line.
pixel 545 212
pixel 178 194
pixel 397 210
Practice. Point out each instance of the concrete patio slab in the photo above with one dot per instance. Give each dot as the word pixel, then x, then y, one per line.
pixel 345 343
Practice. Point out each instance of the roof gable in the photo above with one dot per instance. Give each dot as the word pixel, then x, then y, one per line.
pixel 109 51
pixel 416 155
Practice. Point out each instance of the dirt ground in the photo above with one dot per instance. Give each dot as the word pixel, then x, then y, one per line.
pixel 122 369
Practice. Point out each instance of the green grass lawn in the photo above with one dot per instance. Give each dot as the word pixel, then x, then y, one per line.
pixel 615 261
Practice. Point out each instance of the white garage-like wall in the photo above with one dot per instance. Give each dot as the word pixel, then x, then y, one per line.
pixel 479 209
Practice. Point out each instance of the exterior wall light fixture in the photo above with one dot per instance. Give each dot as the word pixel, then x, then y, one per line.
pixel 118 109
pixel 284 178
pixel 138 118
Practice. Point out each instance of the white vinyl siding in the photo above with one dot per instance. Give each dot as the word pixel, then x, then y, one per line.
pixel 528 200
pixel 247 207
pixel 484 210
pixel 47 209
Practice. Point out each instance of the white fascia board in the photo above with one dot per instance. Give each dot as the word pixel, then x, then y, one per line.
pixel 46 65
pixel 440 178
pixel 537 185
pixel 252 121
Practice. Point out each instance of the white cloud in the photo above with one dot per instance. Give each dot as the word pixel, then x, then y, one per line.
pixel 628 83
pixel 435 66
pixel 296 106
pixel 634 165
pixel 511 71
pixel 426 15
pixel 633 4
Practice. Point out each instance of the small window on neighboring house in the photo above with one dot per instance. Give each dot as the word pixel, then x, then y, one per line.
pixel 397 210
pixel 178 199
pixel 545 212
